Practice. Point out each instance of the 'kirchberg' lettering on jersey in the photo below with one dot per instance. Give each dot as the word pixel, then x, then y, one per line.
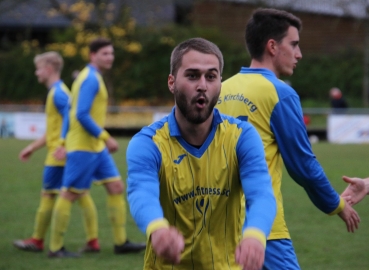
pixel 239 98
pixel 273 108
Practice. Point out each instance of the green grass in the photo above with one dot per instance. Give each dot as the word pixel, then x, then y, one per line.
pixel 321 242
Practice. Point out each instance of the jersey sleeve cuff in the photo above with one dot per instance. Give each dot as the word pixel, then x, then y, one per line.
pixel 155 225
pixel 339 207
pixel 61 142
pixel 255 233
pixel 104 135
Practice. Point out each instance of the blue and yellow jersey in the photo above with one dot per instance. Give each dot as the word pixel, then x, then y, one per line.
pixel 198 190
pixel 273 107
pixel 87 113
pixel 56 104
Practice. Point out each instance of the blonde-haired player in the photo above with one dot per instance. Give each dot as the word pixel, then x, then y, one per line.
pixel 48 69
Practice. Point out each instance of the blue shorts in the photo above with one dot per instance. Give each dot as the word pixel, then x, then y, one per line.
pixel 82 168
pixel 280 255
pixel 53 179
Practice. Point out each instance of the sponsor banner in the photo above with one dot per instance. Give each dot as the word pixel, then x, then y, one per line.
pixel 6 125
pixel 348 128
pixel 29 125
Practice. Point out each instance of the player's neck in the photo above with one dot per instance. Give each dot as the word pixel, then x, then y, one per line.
pixel 98 68
pixel 194 134
pixel 265 63
pixel 52 79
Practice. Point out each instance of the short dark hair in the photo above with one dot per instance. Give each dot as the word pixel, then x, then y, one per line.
pixel 99 43
pixel 266 24
pixel 196 44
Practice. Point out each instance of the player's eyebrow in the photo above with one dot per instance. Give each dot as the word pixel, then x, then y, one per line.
pixel 197 70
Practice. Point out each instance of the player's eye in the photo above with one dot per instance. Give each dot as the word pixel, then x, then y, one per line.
pixel 191 76
pixel 211 76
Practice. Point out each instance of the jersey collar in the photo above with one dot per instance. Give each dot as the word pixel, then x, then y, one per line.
pixel 175 132
pixel 55 84
pixel 264 71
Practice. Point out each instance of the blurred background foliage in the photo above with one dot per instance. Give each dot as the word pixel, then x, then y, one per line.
pixel 142 59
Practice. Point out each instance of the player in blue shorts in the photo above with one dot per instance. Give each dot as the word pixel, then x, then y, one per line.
pixel 48 69
pixel 88 158
pixel 188 172
pixel 257 95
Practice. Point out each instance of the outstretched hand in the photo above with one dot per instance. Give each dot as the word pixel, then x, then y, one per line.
pixel 350 217
pixel 355 191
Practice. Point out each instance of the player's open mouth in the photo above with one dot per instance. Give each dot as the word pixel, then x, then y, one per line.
pixel 201 102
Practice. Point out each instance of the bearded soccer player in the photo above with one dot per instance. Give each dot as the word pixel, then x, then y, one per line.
pixel 188 172
pixel 257 95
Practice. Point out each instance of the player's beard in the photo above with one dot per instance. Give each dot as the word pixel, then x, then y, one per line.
pixel 190 111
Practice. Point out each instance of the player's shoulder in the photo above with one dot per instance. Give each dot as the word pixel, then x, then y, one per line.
pixel 61 89
pixel 88 73
pixel 152 130
pixel 283 89
pixel 144 140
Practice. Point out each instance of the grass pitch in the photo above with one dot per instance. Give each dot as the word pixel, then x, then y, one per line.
pixel 321 242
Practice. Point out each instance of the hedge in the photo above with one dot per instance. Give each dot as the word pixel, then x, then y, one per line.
pixel 142 72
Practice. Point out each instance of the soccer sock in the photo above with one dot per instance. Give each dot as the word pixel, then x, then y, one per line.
pixel 59 223
pixel 90 220
pixel 117 214
pixel 43 217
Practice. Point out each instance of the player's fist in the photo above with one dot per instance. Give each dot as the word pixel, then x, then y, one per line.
pixel 250 254
pixel 112 145
pixel 60 153
pixel 168 243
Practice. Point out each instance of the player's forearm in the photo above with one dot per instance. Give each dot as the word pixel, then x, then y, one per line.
pixel 318 188
pixel 261 210
pixel 37 144
pixel 144 204
pixel 89 124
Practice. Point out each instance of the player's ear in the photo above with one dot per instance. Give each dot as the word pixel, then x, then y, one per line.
pixel 271 47
pixel 171 80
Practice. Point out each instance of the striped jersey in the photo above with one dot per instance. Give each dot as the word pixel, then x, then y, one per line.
pixel 56 106
pixel 273 108
pixel 198 190
pixel 87 112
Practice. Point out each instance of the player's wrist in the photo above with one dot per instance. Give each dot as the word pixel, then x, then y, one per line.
pixel 339 208
pixel 61 142
pixel 255 234
pixel 156 225
pixel 366 181
pixel 30 148
pixel 104 135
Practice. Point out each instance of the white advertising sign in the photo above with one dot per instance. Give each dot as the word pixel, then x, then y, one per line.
pixel 159 115
pixel 29 125
pixel 348 128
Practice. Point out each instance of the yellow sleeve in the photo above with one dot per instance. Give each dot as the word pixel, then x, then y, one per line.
pixel 155 225
pixel 339 208
pixel 104 135
pixel 255 233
